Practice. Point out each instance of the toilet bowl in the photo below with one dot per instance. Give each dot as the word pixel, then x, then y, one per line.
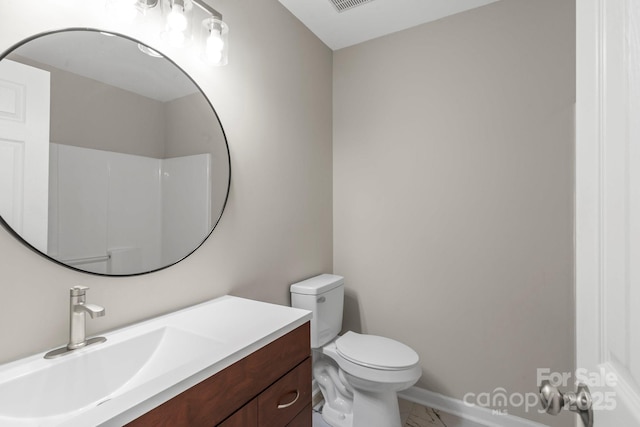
pixel 358 374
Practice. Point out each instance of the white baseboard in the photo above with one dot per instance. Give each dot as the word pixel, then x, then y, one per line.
pixel 456 407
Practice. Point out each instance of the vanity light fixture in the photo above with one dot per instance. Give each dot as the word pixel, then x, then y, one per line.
pixel 213 36
pixel 122 10
pixel 144 5
pixel 128 10
pixel 178 15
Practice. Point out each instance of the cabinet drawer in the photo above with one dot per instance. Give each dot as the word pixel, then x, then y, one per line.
pixel 281 402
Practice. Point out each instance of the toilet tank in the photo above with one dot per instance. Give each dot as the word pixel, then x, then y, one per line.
pixel 324 296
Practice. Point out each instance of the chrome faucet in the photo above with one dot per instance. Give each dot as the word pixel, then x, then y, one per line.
pixel 77 323
pixel 78 311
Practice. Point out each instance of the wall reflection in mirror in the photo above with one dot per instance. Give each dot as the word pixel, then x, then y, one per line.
pixel 112 161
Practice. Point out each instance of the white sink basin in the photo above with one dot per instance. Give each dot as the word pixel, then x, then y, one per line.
pixel 140 366
pixel 90 378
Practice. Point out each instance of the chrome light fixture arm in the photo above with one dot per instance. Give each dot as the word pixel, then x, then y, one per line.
pixel 204 6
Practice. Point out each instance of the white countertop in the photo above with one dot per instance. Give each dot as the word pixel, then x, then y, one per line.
pixel 236 326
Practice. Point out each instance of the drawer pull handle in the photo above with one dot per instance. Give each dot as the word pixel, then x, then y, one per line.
pixel 295 399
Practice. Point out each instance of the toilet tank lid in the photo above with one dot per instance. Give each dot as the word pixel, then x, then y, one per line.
pixel 317 285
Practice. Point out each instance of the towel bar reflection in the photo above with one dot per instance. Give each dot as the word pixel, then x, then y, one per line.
pixel 87 260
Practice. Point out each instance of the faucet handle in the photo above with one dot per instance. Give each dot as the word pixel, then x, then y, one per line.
pixel 78 291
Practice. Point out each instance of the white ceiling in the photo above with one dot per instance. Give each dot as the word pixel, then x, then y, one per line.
pixel 373 19
pixel 115 61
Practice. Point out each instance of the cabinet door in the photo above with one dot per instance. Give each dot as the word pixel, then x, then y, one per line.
pixel 303 419
pixel 281 402
pixel 247 416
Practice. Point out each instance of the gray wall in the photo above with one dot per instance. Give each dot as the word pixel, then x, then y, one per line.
pixel 276 110
pixel 190 127
pixel 91 114
pixel 453 194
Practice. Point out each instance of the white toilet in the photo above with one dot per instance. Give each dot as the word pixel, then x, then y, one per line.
pixel 358 374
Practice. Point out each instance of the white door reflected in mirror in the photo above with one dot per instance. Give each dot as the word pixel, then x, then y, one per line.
pixel 24 150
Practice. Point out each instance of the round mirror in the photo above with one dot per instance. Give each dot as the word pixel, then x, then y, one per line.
pixel 112 160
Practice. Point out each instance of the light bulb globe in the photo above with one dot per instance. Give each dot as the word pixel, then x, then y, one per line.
pixel 176 20
pixel 215 42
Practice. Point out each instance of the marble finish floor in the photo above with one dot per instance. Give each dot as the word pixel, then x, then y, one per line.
pixel 415 415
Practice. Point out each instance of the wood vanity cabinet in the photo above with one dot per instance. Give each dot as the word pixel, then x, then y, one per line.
pixel 269 388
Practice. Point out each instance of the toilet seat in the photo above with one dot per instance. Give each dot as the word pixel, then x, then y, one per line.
pixel 376 352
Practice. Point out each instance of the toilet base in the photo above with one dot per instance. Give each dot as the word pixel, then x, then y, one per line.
pixel 371 409
pixel 376 409
pixel 335 418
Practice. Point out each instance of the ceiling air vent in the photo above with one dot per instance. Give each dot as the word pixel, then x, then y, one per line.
pixel 342 5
